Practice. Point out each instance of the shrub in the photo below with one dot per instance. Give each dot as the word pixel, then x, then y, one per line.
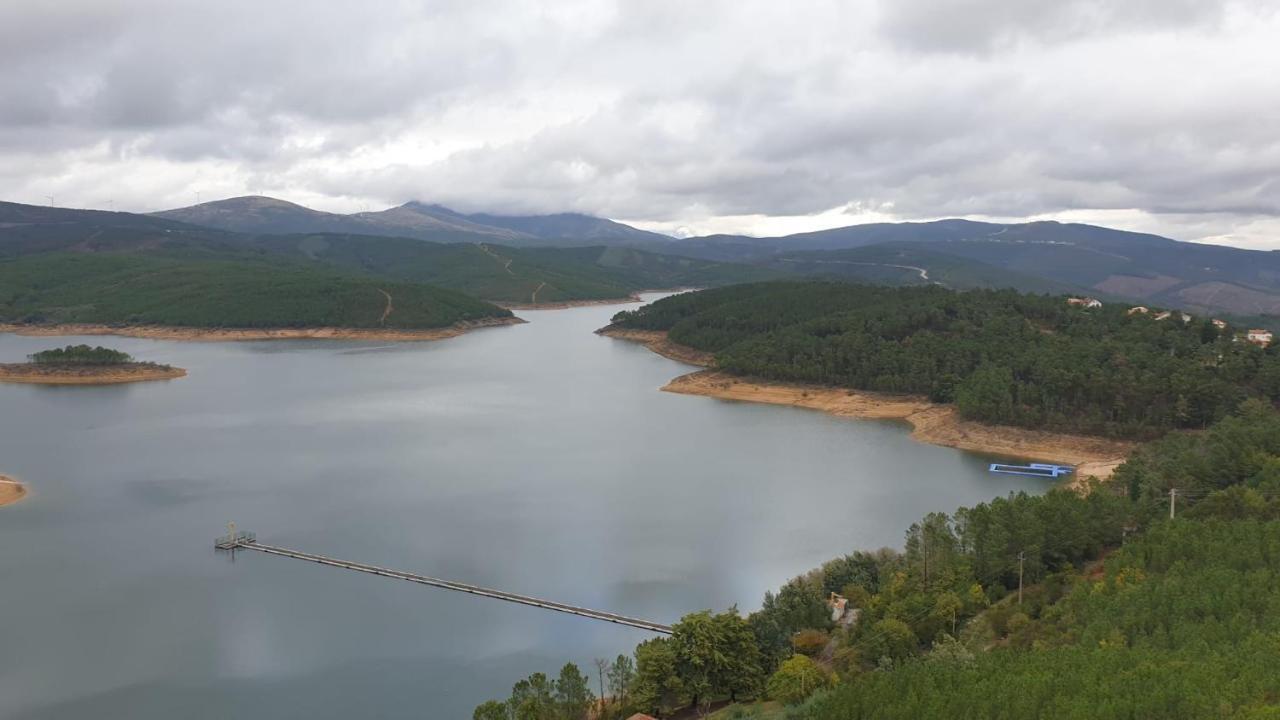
pixel 798 678
pixel 809 642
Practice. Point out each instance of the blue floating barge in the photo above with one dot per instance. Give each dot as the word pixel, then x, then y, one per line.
pixel 1043 470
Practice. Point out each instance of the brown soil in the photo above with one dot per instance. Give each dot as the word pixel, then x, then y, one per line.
pixel 222 334
pixel 932 423
pixel 87 374
pixel 657 341
pixel 11 491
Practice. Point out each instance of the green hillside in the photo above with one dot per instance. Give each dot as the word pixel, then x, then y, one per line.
pixel 157 289
pixel 1000 356
pixel 477 266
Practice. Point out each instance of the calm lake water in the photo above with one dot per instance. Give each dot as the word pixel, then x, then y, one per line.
pixel 539 459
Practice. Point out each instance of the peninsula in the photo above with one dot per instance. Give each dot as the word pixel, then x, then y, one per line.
pixel 85 365
pixel 1030 376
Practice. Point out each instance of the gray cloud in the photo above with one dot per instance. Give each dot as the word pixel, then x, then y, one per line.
pixel 1156 113
pixel 984 25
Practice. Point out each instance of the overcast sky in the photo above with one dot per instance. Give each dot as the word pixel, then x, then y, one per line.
pixel 691 116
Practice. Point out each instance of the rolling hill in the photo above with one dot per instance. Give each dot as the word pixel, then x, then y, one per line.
pixel 495 272
pixel 912 264
pixel 460 251
pixel 1116 263
pixel 512 274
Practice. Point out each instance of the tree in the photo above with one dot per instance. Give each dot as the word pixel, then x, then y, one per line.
pixel 531 699
pixel 572 693
pixel 797 679
pixel 621 676
pixel 739 672
pixel 947 608
pixel 987 394
pixel 657 687
pixel 931 550
pixel 859 568
pixel 798 605
pixel 601 666
pixel 81 355
pixel 697 654
pixel 716 655
pixel 491 710
pixel 892 639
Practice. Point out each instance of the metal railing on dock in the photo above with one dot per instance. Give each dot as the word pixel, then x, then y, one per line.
pixel 248 541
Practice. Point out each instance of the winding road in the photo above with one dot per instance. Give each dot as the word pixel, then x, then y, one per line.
pixel 387 310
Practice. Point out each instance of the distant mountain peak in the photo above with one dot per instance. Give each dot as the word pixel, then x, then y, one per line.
pixel 260 214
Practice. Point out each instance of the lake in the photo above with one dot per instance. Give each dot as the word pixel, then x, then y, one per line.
pixel 538 459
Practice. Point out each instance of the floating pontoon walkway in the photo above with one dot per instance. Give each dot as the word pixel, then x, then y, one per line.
pixel 1043 470
pixel 247 541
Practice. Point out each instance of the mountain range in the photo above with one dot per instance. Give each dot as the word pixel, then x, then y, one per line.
pixel 264 215
pixel 1047 257
pixel 54 262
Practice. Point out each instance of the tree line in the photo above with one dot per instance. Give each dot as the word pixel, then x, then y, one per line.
pixel 998 355
pixel 80 355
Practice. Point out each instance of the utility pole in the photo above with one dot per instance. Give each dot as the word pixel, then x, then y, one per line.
pixel 1021 557
pixel 1173 502
pixel 50 200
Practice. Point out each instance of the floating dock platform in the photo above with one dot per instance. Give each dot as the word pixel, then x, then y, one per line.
pixel 1043 470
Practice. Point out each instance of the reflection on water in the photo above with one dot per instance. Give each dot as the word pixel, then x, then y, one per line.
pixel 536 458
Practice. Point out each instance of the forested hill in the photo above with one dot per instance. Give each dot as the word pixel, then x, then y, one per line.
pixel 1000 356
pixel 477 264
pixel 139 289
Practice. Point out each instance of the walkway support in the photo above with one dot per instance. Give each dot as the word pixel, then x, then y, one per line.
pixel 238 540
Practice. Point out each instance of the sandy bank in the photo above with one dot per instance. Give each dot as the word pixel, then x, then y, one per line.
pixel 657 341
pixel 11 491
pixel 931 423
pixel 223 334
pixel 87 375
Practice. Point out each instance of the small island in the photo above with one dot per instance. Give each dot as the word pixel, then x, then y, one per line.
pixel 85 365
pixel 11 491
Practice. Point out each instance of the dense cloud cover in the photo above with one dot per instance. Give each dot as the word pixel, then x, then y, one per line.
pixel 716 115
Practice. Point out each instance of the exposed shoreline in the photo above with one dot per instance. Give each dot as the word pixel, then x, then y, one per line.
pixel 931 422
pixel 11 491
pixel 657 341
pixel 159 332
pixel 35 374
